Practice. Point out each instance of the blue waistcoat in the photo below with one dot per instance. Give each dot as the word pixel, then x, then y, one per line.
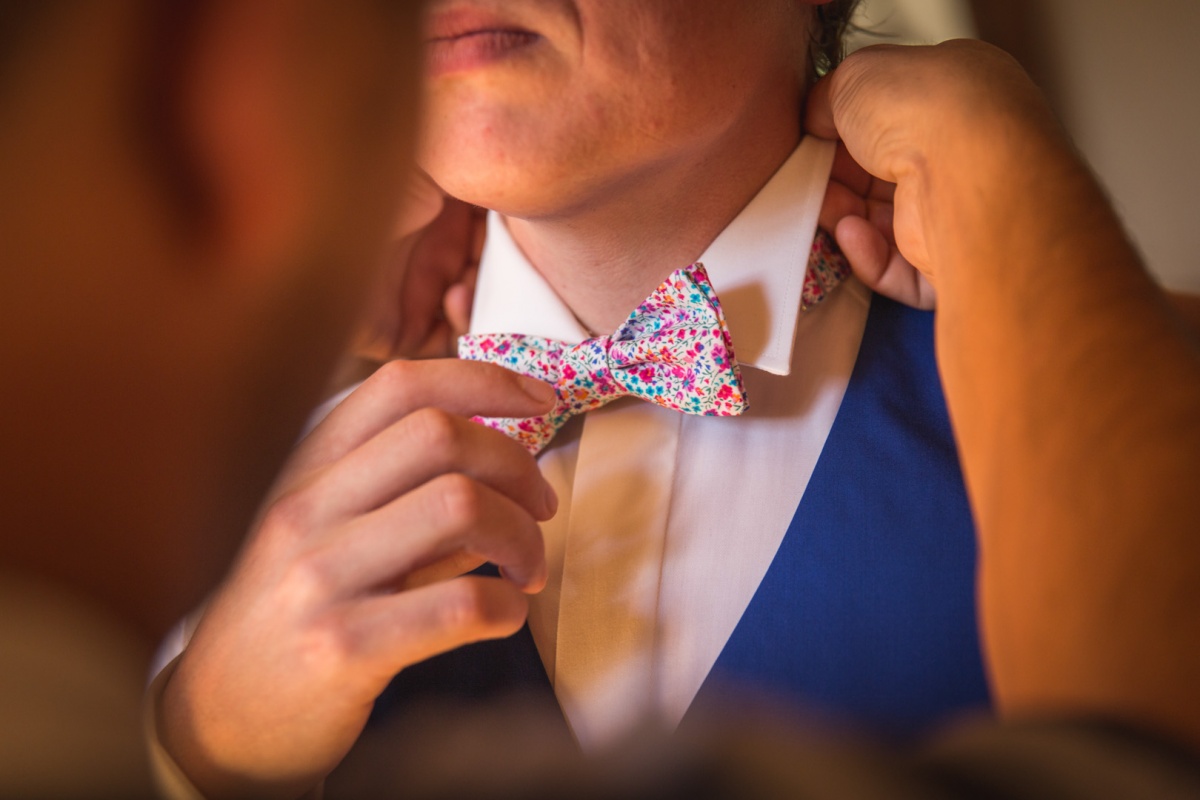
pixel 866 615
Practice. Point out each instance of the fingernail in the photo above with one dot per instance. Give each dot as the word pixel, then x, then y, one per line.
pixel 532 584
pixel 540 577
pixel 509 575
pixel 539 391
pixel 551 500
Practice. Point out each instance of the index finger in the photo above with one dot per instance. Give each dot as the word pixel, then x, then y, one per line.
pixel 398 388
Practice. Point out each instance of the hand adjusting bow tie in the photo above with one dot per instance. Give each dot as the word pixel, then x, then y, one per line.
pixel 674 350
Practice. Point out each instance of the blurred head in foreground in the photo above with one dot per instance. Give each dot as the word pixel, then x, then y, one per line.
pixel 195 197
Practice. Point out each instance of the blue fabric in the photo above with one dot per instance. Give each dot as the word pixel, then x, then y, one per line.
pixel 867 612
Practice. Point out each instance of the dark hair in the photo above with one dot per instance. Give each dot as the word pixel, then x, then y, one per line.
pixel 830 23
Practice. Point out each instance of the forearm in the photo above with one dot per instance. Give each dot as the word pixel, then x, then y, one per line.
pixel 1075 394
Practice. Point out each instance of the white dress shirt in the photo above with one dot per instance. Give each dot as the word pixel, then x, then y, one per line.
pixel 667 523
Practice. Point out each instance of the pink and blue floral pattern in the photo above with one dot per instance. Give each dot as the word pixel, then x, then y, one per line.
pixel 674 350
pixel 827 268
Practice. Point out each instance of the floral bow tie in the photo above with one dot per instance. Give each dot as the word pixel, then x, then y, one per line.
pixel 674 350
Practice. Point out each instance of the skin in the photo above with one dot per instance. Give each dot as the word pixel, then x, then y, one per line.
pixel 658 120
pixel 1072 382
pixel 189 233
pixel 421 312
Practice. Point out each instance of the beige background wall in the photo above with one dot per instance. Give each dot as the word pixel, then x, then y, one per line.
pixel 1125 77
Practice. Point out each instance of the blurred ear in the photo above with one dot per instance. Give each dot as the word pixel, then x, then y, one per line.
pixel 296 118
pixel 238 129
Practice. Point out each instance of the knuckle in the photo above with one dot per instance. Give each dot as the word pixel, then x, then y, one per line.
pixel 463 606
pixel 309 580
pixel 436 431
pixel 290 517
pixel 460 501
pixel 395 380
pixel 328 647
pixel 394 374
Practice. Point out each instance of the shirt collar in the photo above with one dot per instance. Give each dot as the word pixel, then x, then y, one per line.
pixel 757 266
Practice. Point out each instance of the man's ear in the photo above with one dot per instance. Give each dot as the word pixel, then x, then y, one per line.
pixel 294 120
pixel 242 176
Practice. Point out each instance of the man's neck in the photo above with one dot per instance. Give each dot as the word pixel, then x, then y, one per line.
pixel 609 255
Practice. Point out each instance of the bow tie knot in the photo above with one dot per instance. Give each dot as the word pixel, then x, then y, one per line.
pixel 673 350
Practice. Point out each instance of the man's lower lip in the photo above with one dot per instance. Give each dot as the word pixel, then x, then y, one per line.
pixel 474 50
